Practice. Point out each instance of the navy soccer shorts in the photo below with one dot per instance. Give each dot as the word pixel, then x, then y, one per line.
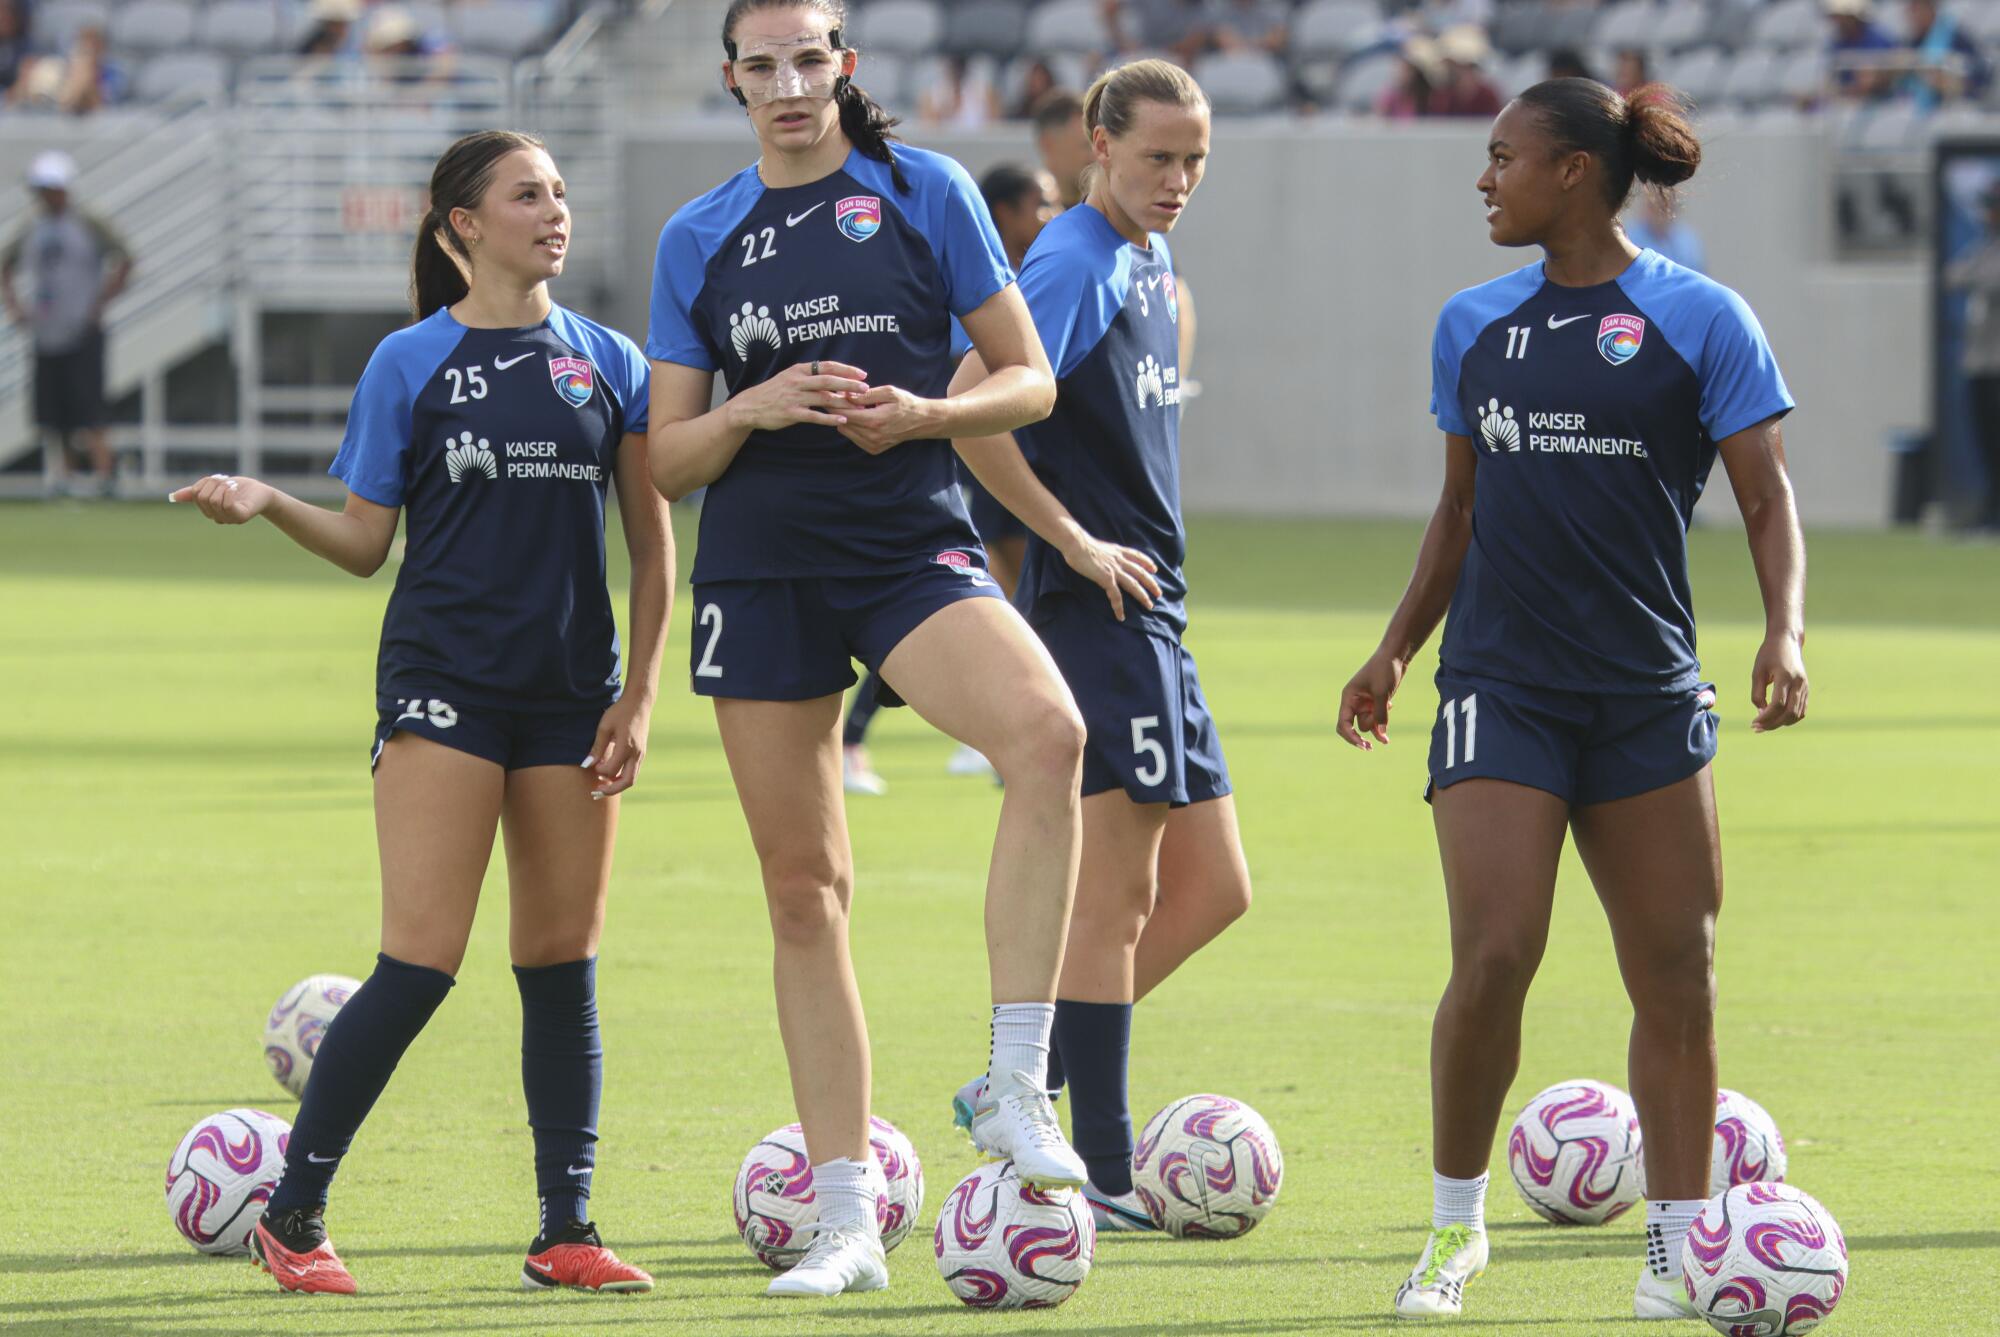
pixel 1149 730
pixel 511 739
pixel 795 640
pixel 1583 747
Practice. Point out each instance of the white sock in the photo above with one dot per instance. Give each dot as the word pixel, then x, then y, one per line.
pixel 1021 1042
pixel 846 1191
pixel 1457 1202
pixel 1667 1222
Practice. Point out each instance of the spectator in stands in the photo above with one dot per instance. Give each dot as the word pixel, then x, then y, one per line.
pixel 1064 147
pixel 409 55
pixel 1652 223
pixel 332 30
pixel 1467 91
pixel 1949 63
pixel 1037 82
pixel 1858 50
pixel 76 264
pixel 1177 27
pixel 1631 73
pixel 91 80
pixel 1566 62
pixel 1021 202
pixel 1238 25
pixel 962 95
pixel 1976 274
pixel 1418 79
pixel 15 51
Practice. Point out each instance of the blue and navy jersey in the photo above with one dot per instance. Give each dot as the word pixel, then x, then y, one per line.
pixel 752 280
pixel 1109 316
pixel 1595 412
pixel 498 445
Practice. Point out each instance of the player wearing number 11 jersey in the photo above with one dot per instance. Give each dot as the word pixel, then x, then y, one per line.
pixel 1588 395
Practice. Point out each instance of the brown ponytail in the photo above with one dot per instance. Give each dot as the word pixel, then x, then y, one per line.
pixel 440 264
pixel 1645 137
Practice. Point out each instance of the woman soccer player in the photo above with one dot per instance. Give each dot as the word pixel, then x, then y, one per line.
pixel 822 282
pixel 497 420
pixel 1587 396
pixel 1162 866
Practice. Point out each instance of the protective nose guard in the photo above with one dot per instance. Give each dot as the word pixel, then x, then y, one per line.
pixel 784 78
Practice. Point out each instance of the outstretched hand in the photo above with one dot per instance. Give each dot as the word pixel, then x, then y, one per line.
pixel 227 500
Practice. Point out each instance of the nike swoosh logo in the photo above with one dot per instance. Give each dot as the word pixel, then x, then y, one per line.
pixel 580 1169
pixel 547 1268
pixel 318 1159
pixel 1555 324
pixel 793 220
pixel 502 363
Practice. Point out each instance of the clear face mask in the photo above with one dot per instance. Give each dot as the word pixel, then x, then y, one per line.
pixel 804 65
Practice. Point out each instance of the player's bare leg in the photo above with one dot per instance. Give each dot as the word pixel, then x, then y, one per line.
pixel 1656 860
pixel 1204 887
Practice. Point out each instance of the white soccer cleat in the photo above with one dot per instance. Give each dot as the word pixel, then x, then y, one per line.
pixel 847 1258
pixel 1659 1297
pixel 1435 1287
pixel 1117 1212
pixel 970 760
pixel 1015 1121
pixel 857 776
pixel 964 1100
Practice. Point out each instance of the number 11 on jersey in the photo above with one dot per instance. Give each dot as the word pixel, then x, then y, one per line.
pixel 1469 708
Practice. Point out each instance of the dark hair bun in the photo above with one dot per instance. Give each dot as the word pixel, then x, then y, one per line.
pixel 1665 151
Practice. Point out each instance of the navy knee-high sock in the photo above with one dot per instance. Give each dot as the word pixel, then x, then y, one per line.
pixel 867 700
pixel 359 1052
pixel 562 1072
pixel 1096 1042
pixel 1056 1075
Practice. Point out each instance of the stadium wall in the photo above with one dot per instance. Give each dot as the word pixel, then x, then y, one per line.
pixel 1319 255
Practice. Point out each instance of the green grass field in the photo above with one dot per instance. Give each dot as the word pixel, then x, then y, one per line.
pixel 187 832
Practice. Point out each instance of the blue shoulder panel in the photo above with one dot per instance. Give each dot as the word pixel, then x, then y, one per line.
pixel 370 460
pixel 1716 334
pixel 618 360
pixel 1464 316
pixel 945 205
pixel 1075 279
pixel 690 239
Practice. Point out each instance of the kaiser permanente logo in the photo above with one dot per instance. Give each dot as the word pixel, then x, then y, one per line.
pixel 1549 434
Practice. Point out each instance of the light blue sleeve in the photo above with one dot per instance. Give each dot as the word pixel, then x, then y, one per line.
pixel 677 284
pixel 968 245
pixel 961 342
pixel 1447 354
pixel 635 389
pixel 1740 382
pixel 1055 285
pixel 372 452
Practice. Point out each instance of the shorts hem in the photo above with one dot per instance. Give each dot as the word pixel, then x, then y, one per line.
pixel 716 688
pixel 1644 784
pixel 383 735
pixel 1433 784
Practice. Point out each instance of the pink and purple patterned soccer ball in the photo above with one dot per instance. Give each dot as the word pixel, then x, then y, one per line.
pixel 221 1176
pixel 1764 1260
pixel 1574 1153
pixel 298 1022
pixel 1003 1244
pixel 774 1202
pixel 1207 1167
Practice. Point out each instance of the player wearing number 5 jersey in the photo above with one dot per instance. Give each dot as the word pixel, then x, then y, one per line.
pixel 493 425
pixel 1162 869
pixel 1587 397
pixel 821 282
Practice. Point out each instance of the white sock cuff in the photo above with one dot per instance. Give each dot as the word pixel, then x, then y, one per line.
pixel 1021 1041
pixel 1667 1222
pixel 846 1190
pixel 1458 1201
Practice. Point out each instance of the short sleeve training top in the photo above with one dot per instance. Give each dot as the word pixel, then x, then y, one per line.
pixel 1108 314
pixel 750 281
pixel 498 445
pixel 1596 412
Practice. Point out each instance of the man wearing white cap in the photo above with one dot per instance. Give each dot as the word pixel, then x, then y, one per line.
pixel 75 265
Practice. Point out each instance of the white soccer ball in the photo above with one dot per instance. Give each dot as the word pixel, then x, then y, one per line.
pixel 1764 1260
pixel 1574 1153
pixel 1207 1166
pixel 774 1200
pixel 1749 1149
pixel 222 1174
pixel 298 1022
pixel 1003 1244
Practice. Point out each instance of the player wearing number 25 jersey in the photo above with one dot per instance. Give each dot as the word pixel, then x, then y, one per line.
pixel 1584 401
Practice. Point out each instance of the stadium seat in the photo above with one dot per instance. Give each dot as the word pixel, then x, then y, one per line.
pixel 990 27
pixel 1516 76
pixel 1521 25
pixel 1242 83
pixel 1753 77
pixel 887 77
pixel 1363 81
pixel 152 25
pixel 181 74
pixel 1788 25
pixel 1803 75
pixel 56 23
pixel 1068 25
pixel 501 27
pixel 1682 24
pixel 1334 27
pixel 242 27
pixel 1631 23
pixel 1699 73
pixel 906 27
